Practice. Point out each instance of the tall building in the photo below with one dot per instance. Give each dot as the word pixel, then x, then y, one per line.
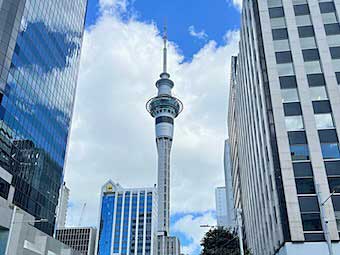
pixel 164 108
pixel 81 239
pixel 230 209
pixel 284 126
pixel 64 195
pixel 221 206
pixel 128 220
pixel 39 59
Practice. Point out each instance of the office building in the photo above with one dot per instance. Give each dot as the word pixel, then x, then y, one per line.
pixel 64 194
pixel 221 207
pixel 230 209
pixel 81 239
pixel 128 220
pixel 39 59
pixel 284 126
pixel 169 245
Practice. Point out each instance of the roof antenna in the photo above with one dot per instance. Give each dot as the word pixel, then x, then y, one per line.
pixel 165 40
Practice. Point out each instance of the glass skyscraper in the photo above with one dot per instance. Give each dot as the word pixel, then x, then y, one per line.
pixel 40 44
pixel 128 220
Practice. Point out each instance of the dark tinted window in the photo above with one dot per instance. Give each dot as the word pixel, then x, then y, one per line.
pixel 303 169
pixel 165 119
pixel 292 109
pixel 310 55
pixel 332 167
pixel 299 152
pixel 280 34
pixel 309 204
pixel 337 75
pixel 316 79
pixel 283 57
pixel 328 136
pixel 335 52
pixel 334 184
pixel 305 186
pixel 332 29
pixel 327 7
pixel 287 82
pixel 301 9
pixel 306 31
pixel 322 106
pixel 4 188
pixel 312 237
pixel 276 12
pixel 311 222
pixel 330 150
pixel 336 203
pixel 297 137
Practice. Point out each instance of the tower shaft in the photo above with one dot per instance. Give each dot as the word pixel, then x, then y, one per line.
pixel 163 148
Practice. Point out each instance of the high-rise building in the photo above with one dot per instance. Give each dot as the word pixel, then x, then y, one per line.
pixel 128 220
pixel 221 206
pixel 82 239
pixel 284 126
pixel 64 195
pixel 39 59
pixel 230 209
pixel 164 108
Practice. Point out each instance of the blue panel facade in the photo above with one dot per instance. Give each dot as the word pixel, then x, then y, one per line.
pixel 36 102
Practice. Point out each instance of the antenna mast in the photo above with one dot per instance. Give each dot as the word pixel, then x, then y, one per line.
pixel 165 40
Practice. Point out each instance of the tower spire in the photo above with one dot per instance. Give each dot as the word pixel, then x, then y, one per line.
pixel 165 53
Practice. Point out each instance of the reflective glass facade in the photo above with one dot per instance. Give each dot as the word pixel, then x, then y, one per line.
pixel 40 52
pixel 127 222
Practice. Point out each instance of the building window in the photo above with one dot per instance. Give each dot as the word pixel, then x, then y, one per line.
pixel 280 34
pixel 335 52
pixel 292 109
pixel 311 222
pixel 309 204
pixel 294 123
pixel 332 168
pixel 328 136
pixel 305 186
pixel 299 152
pixel 306 31
pixel 303 169
pixel 337 75
pixel 318 93
pixel 332 29
pixel 276 12
pixel 283 57
pixel 289 95
pixel 301 9
pixel 316 79
pixel 330 150
pixel 297 137
pixel 287 82
pixel 322 107
pixel 310 55
pixel 324 121
pixel 334 184
pixel 327 7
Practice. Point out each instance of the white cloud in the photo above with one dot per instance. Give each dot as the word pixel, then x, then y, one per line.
pixel 190 226
pixel 236 3
pixel 113 135
pixel 114 5
pixel 200 35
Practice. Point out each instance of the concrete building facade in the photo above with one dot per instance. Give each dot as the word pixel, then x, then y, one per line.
pixel 221 207
pixel 284 126
pixel 64 195
pixel 81 239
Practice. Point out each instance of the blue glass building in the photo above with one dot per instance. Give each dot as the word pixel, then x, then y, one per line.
pixel 128 220
pixel 40 44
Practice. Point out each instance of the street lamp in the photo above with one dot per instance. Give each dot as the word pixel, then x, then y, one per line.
pixel 323 218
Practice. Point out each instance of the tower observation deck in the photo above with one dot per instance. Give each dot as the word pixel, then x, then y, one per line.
pixel 164 108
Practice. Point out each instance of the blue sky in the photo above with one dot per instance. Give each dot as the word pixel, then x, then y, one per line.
pixel 214 17
pixel 124 58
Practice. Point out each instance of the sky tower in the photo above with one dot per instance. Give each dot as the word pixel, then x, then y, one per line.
pixel 164 108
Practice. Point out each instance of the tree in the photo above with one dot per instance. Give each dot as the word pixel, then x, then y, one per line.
pixel 221 241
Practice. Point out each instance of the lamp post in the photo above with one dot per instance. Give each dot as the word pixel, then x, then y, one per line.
pixel 323 217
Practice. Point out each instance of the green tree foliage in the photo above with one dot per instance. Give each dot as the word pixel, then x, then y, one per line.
pixel 221 241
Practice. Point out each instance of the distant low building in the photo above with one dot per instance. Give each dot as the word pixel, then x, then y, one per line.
pixel 82 239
